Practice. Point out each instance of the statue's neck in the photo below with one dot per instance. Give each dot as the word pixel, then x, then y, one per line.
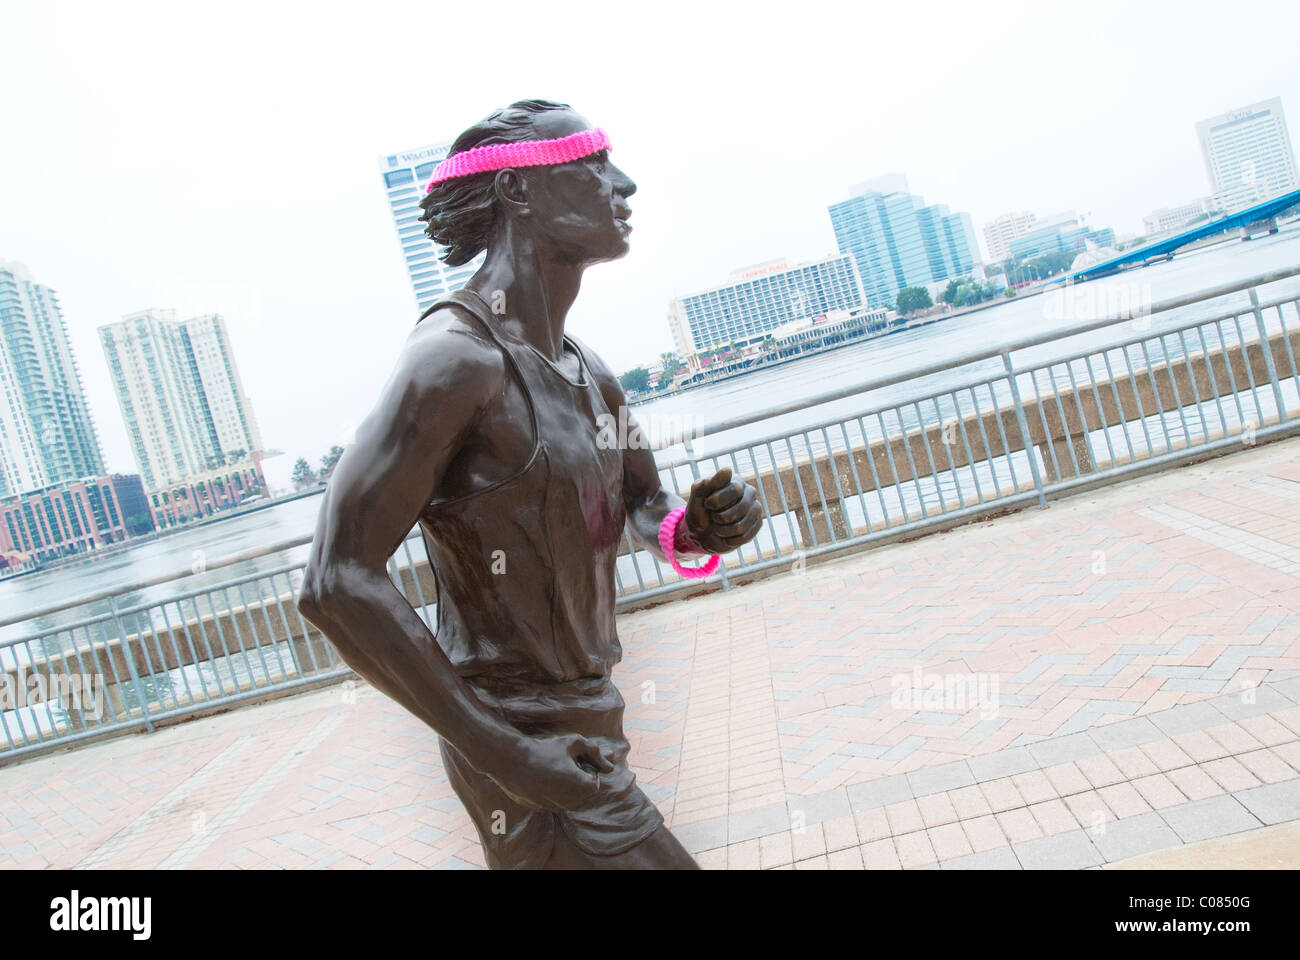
pixel 532 293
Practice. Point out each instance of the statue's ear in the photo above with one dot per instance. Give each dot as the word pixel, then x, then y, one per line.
pixel 511 197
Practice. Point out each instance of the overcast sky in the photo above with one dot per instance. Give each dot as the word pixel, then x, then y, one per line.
pixel 223 157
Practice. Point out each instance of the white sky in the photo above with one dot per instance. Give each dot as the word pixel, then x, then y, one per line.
pixel 223 156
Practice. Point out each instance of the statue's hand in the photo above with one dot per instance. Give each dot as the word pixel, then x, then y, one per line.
pixel 722 514
pixel 551 778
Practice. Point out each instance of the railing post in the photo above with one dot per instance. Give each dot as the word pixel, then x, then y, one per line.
pixel 689 445
pixel 1030 449
pixel 130 664
pixel 1267 349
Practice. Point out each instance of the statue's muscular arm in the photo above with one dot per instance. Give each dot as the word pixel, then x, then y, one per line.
pixel 444 380
pixel 722 514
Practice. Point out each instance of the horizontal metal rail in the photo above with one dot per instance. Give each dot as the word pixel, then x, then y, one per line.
pixel 989 440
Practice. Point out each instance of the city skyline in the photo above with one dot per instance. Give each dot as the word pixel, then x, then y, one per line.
pixel 183 403
pixel 47 434
pixel 303 263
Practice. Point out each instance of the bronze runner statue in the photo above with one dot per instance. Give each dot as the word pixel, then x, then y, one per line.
pixel 488 434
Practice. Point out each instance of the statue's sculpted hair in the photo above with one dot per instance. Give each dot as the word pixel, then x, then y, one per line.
pixel 460 213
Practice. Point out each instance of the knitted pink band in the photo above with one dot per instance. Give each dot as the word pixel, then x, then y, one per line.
pixel 667 533
pixel 527 153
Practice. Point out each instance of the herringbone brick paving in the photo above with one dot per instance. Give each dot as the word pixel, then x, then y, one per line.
pixel 1062 687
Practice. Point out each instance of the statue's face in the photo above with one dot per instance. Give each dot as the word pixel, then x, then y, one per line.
pixel 580 207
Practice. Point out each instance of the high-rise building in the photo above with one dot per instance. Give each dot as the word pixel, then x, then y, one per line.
pixel 46 434
pixel 1000 232
pixel 1166 219
pixel 1248 155
pixel 190 424
pixel 897 240
pixel 405 177
pixel 758 299
pixel 1062 232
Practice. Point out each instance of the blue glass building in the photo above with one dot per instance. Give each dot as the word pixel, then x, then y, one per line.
pixel 1068 235
pixel 897 240
pixel 405 177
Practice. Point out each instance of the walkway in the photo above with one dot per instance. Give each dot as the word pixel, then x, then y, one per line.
pixel 1115 677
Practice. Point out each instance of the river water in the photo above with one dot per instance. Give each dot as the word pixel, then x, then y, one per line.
pixel 810 376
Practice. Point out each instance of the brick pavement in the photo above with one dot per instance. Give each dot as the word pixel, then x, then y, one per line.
pixel 1111 677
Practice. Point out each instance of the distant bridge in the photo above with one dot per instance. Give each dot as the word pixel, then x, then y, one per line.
pixel 1260 212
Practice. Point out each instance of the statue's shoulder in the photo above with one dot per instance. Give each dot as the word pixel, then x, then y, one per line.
pixel 449 350
pixel 599 369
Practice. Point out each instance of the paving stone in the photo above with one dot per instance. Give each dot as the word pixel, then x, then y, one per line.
pixel 1034 786
pixel 1053 817
pixel 873 825
pixel 1159 791
pixel 949 841
pixel 1123 800
pixel 1067 778
pixel 1231 775
pixel 752 824
pixel 970 801
pixel 1213 817
pixel 984 833
pixel 1075 746
pixel 1187 717
pixel 1067 851
pixel 1195 783
pixel 1125 733
pixel 1266 766
pixel 1274 802
pixel 1133 763
pixel 1134 836
pixel 821 807
pixel 775 850
pixel 880 855
pixel 847 859
pixel 1167 755
pixel 998 858
pixel 914 850
pixel 1238 706
pixel 1019 825
pixel 937 779
pixel 1100 771
pixel 1267 730
pixel 702 835
pixel 904 817
pixel 878 793
pixel 1200 746
pixel 1004 763
pixel 840 833
pixel 1002 795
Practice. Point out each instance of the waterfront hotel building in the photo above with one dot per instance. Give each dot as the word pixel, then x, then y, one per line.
pixel 46 434
pixel 897 240
pixel 405 177
pixel 759 299
pixel 190 424
pixel 1248 155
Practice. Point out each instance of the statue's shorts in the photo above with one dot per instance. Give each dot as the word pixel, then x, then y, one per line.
pixel 514 836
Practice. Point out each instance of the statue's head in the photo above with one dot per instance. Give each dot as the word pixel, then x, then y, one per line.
pixel 573 209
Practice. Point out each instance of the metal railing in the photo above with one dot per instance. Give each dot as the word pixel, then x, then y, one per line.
pixel 913 455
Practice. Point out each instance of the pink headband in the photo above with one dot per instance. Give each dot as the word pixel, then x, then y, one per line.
pixel 527 153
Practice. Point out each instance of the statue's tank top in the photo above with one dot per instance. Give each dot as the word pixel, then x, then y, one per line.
pixel 525 566
pixel 536 638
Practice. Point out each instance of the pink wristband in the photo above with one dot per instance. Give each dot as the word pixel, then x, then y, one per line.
pixel 667 535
